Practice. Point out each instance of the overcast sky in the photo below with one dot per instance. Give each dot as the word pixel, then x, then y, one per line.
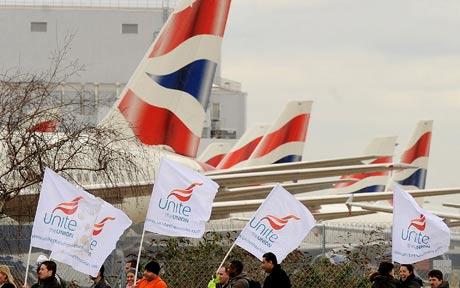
pixel 372 68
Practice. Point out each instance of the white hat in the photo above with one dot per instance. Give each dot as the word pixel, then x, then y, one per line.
pixel 40 259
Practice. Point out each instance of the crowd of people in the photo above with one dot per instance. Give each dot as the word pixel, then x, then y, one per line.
pixel 230 276
pixel 384 277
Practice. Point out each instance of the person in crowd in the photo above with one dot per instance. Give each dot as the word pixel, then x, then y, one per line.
pixel 237 279
pixel 436 279
pixel 47 275
pixel 99 281
pixel 42 258
pixel 408 278
pixel 130 264
pixel 151 278
pixel 6 279
pixel 383 278
pixel 277 277
pixel 130 277
pixel 220 280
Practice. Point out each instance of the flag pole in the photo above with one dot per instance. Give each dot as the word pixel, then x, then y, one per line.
pixel 139 256
pixel 28 263
pixel 226 256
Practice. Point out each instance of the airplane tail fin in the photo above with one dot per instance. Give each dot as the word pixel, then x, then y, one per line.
pixel 383 148
pixel 285 139
pixel 416 154
pixel 240 153
pixel 214 153
pixel 165 99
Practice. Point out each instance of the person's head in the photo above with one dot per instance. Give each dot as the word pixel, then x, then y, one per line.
pixel 130 276
pixel 130 264
pixel 435 278
pixel 5 275
pixel 235 268
pixel 46 269
pixel 151 270
pixel 405 271
pixel 386 268
pixel 223 275
pixel 40 259
pixel 99 275
pixel 269 261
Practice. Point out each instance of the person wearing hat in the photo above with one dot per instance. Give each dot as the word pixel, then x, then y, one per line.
pixel 151 278
pixel 6 279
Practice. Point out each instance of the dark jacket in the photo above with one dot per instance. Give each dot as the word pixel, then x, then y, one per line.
pixel 410 282
pixel 50 282
pixel 385 281
pixel 7 285
pixel 101 284
pixel 444 284
pixel 277 278
pixel 239 281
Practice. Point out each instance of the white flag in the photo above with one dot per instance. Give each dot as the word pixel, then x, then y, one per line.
pixel 278 226
pixel 64 219
pixel 110 224
pixel 417 234
pixel 181 201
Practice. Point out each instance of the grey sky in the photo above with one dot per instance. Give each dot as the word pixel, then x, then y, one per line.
pixel 372 68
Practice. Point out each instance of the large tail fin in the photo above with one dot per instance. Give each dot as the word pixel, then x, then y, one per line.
pixel 383 147
pixel 214 153
pixel 285 139
pixel 416 154
pixel 240 153
pixel 165 100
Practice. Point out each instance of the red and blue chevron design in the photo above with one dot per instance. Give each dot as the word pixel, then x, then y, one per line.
pixel 166 98
pixel 417 154
pixel 285 139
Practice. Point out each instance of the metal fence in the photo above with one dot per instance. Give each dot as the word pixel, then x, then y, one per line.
pixel 331 256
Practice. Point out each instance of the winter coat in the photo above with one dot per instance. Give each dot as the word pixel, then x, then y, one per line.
pixel 50 282
pixel 410 282
pixel 385 281
pixel 239 281
pixel 277 278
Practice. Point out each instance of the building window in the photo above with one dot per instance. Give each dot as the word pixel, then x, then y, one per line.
pixel 38 26
pixel 129 28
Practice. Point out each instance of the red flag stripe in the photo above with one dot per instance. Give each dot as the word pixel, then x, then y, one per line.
pixel 420 149
pixel 154 125
pixel 293 131
pixel 203 17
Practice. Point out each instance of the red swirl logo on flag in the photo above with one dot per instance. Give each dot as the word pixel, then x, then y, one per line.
pixel 279 223
pixel 70 207
pixel 98 226
pixel 419 223
pixel 184 195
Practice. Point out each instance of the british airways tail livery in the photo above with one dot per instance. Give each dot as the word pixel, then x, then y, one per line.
pixel 383 148
pixel 214 153
pixel 240 153
pixel 165 99
pixel 416 154
pixel 285 139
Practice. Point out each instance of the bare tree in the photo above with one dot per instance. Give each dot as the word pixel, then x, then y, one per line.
pixel 30 108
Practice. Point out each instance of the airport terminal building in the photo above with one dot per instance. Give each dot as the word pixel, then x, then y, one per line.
pixel 109 38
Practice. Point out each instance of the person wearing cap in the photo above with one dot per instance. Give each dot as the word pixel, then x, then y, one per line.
pixel 151 278
pixel 6 279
